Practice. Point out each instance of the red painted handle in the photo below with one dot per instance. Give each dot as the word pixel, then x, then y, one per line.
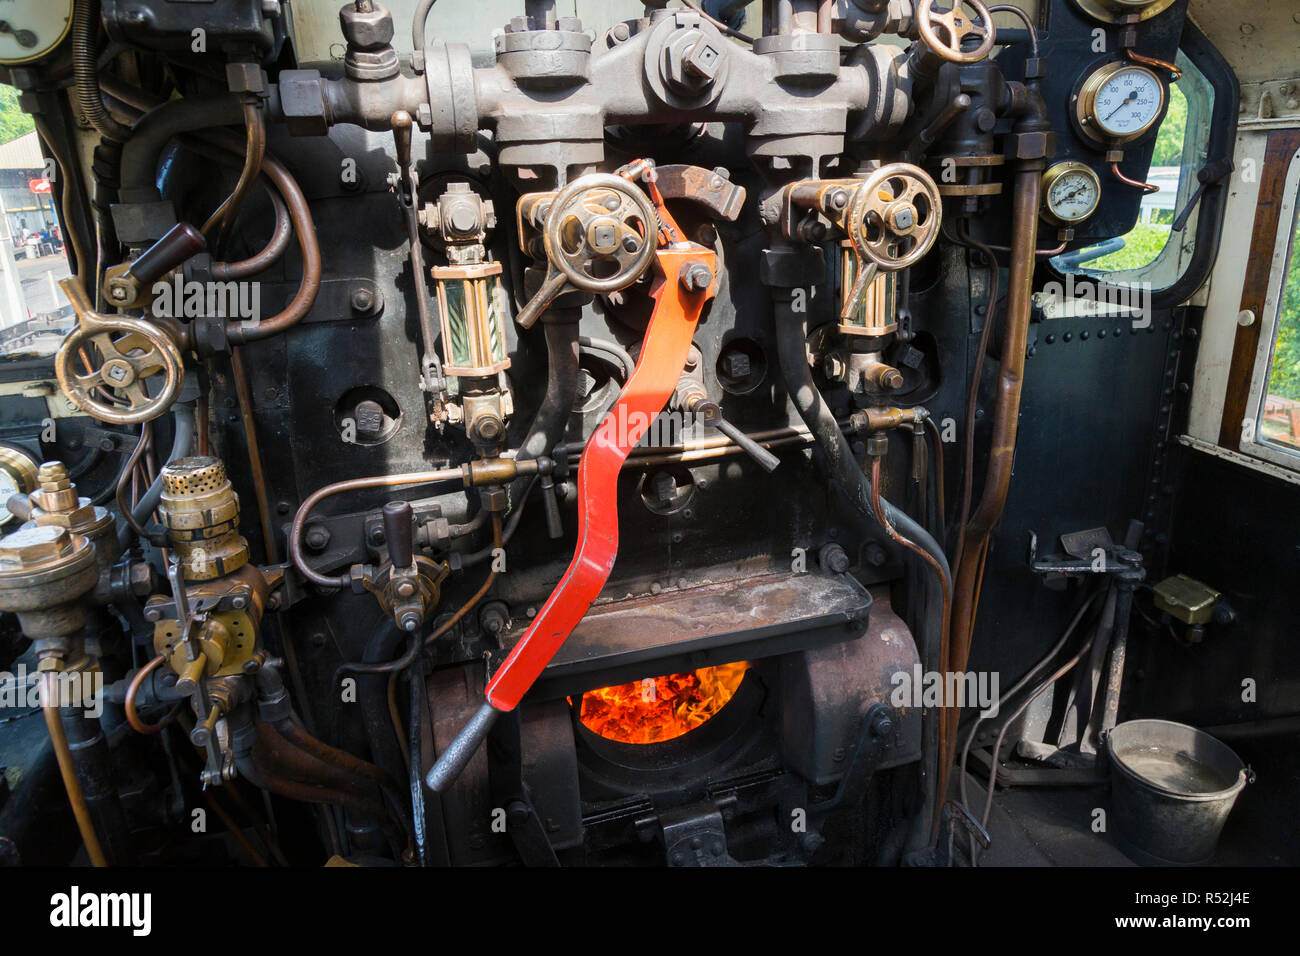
pixel 662 359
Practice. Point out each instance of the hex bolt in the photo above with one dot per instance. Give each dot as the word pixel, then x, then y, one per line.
pixel 838 198
pixel 833 558
pixel 696 277
pixel 631 243
pixel 362 300
pixel 317 538
pixel 882 725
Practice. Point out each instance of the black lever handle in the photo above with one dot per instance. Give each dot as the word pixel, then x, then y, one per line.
pixel 399 533
pixel 180 243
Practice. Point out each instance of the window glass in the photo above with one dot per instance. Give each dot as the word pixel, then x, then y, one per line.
pixel 1279 419
pixel 34 314
pixel 1152 253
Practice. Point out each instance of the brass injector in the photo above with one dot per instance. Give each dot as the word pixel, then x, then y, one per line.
pixel 209 628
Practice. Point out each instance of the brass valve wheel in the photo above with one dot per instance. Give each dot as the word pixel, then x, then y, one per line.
pixel 600 235
pixel 122 352
pixel 893 218
pixel 956 25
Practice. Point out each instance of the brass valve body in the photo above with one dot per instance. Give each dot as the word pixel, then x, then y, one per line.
pixel 200 510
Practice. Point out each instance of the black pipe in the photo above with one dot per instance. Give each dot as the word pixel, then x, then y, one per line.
pixel 552 418
pixel 847 475
pixel 372 695
pixel 156 128
pixel 93 760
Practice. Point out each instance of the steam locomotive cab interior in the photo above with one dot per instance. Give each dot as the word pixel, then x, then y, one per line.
pixel 708 433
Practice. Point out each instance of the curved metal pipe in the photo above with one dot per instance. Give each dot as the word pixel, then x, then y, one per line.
pixel 548 426
pixel 848 476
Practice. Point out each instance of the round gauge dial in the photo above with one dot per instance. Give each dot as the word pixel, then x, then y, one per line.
pixel 17 477
pixel 1071 193
pixel 1120 102
pixel 31 30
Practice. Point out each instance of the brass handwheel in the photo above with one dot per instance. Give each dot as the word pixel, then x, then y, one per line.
pixel 125 353
pixel 944 30
pixel 600 234
pixel 893 217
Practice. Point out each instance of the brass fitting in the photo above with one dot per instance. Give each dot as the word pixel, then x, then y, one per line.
pixel 45 572
pixel 55 502
pixel 200 511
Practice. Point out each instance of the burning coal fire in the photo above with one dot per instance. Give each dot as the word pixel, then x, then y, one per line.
pixel 660 708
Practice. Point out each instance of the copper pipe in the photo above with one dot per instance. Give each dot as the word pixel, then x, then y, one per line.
pixel 132 715
pixel 254 454
pixel 322 751
pixel 1145 187
pixel 299 215
pixel 478 595
pixel 128 473
pixel 1005 426
pixel 304 767
pixel 353 484
pixel 395 716
pixel 1175 72
pixel 972 403
pixel 254 151
pixel 308 243
pixel 271 252
pixel 68 769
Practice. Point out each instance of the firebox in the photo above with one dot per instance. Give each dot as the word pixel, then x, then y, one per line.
pixel 672 737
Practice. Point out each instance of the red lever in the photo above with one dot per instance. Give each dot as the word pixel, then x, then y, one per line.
pixel 684 284
pixel 663 357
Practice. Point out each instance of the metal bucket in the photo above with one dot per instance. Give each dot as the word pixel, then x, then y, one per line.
pixel 1171 790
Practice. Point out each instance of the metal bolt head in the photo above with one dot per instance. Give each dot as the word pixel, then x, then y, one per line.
pixel 835 367
pixel 696 277
pixel 317 538
pixel 404 589
pixel 53 476
pixel 369 416
pixel 409 621
pixel 362 300
pixel 904 218
pixel 34 545
pixel 882 725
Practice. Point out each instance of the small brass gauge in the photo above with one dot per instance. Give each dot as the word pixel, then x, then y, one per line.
pixel 1071 193
pixel 1120 102
pixel 33 29
pixel 1119 11
pixel 17 477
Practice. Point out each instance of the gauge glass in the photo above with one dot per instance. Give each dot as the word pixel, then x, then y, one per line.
pixel 1128 102
pixel 31 30
pixel 1073 193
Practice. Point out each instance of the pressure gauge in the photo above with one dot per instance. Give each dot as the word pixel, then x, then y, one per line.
pixel 17 477
pixel 33 29
pixel 1071 193
pixel 1120 102
pixel 1121 11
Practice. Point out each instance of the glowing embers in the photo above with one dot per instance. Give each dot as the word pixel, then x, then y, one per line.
pixel 660 708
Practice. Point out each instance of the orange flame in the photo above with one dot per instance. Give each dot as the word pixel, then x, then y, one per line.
pixel 660 708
